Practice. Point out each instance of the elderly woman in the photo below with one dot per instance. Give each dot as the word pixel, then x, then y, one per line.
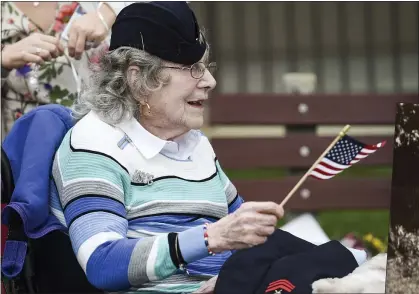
pixel 145 200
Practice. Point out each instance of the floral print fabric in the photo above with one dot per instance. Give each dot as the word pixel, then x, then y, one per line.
pixel 54 81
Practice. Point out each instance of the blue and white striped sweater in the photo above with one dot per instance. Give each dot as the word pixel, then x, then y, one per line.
pixel 119 229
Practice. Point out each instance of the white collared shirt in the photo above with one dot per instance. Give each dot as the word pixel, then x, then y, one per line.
pixel 181 148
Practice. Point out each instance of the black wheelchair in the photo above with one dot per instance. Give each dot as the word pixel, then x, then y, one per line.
pixel 50 265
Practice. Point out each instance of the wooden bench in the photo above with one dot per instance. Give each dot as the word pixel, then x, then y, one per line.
pixel 300 146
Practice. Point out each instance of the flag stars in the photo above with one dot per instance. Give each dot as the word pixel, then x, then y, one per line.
pixel 340 157
pixel 344 151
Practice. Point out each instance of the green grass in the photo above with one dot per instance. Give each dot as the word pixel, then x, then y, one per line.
pixel 273 173
pixel 337 223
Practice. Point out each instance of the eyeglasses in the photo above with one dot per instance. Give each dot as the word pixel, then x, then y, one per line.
pixel 197 69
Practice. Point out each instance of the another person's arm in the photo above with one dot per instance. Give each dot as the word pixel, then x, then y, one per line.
pixel 36 48
pixel 94 26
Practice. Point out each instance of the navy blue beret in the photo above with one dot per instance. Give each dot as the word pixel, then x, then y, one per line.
pixel 167 29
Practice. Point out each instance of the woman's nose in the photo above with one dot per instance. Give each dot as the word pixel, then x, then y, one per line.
pixel 207 81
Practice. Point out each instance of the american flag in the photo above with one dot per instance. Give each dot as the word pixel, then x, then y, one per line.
pixel 346 152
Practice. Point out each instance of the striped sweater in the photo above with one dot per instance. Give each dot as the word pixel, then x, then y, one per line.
pixel 119 224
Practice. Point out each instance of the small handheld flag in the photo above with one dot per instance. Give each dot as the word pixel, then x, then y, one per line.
pixel 345 153
pixel 341 154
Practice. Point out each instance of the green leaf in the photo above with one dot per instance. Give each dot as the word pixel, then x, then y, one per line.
pixel 53 71
pixel 70 100
pixel 67 102
pixel 60 69
pixel 44 75
pixel 10 8
pixel 44 66
pixel 48 73
pixel 57 93
pixel 49 78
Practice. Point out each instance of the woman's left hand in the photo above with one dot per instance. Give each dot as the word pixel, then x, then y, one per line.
pixel 208 287
pixel 89 27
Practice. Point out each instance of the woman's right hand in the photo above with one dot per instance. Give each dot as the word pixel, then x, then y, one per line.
pixel 36 48
pixel 248 226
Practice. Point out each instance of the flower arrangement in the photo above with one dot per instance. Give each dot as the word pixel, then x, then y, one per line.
pixel 368 242
pixel 351 240
pixel 374 244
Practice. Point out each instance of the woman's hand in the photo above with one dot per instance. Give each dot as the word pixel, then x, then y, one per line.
pixel 89 27
pixel 208 287
pixel 36 48
pixel 248 226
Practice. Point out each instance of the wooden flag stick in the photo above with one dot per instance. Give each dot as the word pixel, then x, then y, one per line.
pixel 300 182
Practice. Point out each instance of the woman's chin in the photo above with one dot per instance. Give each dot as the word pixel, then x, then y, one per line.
pixel 195 123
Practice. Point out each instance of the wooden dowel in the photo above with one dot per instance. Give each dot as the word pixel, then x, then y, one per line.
pixel 301 181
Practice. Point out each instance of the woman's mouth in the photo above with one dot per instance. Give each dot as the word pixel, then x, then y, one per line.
pixel 197 103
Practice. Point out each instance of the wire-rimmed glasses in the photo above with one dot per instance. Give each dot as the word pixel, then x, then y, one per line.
pixel 197 69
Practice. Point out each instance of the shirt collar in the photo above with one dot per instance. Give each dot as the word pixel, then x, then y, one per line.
pixel 150 145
